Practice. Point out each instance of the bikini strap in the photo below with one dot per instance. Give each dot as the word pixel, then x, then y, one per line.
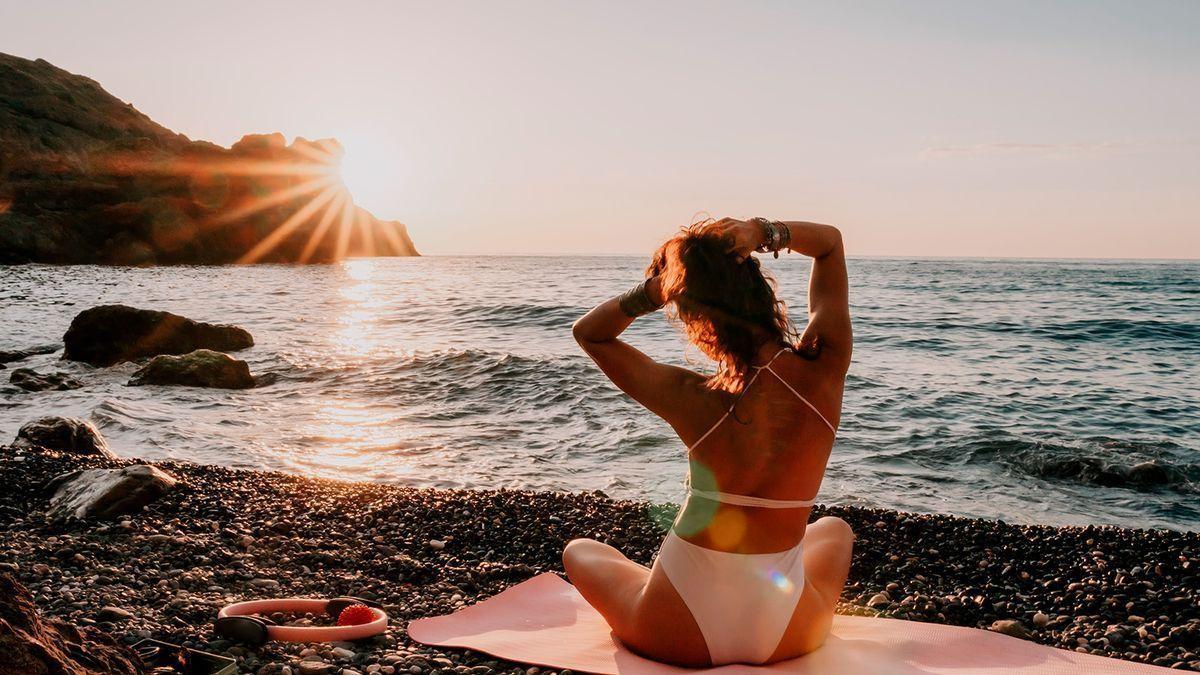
pixel 747 500
pixel 772 360
pixel 803 400
pixel 727 414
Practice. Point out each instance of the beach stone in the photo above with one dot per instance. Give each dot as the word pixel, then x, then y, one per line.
pixel 110 334
pixel 105 493
pixel 114 614
pixel 201 368
pixel 19 354
pixel 879 600
pixel 32 644
pixel 1010 627
pixel 1041 619
pixel 31 380
pixel 65 434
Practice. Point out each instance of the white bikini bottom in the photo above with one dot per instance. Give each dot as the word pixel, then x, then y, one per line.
pixel 742 602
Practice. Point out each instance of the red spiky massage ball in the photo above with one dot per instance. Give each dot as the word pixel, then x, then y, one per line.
pixel 355 615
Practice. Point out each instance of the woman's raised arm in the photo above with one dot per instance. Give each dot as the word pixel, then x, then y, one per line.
pixel 828 286
pixel 655 385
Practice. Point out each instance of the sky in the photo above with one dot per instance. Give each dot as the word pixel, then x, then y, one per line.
pixel 932 128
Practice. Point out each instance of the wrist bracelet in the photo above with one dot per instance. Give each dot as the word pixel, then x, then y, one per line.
pixel 778 236
pixel 636 301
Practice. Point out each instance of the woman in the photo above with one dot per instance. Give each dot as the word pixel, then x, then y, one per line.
pixel 741 577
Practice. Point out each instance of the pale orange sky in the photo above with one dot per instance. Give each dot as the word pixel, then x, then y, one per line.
pixel 940 128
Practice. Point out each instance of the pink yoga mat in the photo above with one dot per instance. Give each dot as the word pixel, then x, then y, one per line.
pixel 545 622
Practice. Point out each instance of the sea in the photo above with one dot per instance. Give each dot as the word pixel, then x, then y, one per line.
pixel 1020 390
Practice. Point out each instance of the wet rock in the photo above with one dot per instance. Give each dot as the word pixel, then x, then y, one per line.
pixel 201 368
pixel 105 493
pixel 19 354
pixel 110 334
pixel 31 380
pixel 1149 473
pixel 65 434
pixel 31 644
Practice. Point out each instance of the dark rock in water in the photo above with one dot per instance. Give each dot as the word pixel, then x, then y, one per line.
pixel 65 434
pixel 105 493
pixel 86 178
pixel 1149 473
pixel 31 644
pixel 18 354
pixel 109 334
pixel 31 380
pixel 201 368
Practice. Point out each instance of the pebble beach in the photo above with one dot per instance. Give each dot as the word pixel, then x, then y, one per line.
pixel 224 535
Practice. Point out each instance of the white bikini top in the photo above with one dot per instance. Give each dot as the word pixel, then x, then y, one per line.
pixel 747 500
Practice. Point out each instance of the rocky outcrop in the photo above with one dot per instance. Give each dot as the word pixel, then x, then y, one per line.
pixel 31 380
pixel 201 368
pixel 106 493
pixel 86 178
pixel 109 334
pixel 64 434
pixel 32 644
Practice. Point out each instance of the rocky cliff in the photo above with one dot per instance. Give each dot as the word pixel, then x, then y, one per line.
pixel 86 178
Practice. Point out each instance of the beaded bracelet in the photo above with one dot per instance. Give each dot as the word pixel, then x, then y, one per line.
pixel 636 301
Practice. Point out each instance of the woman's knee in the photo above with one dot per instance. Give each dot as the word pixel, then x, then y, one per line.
pixel 831 527
pixel 577 551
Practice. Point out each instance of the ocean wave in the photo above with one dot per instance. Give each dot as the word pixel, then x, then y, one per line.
pixel 1128 331
pixel 521 314
pixel 1101 462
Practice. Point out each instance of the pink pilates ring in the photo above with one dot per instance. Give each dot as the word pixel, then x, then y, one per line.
pixel 237 623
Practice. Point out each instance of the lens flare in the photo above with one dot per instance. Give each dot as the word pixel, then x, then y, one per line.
pixel 778 580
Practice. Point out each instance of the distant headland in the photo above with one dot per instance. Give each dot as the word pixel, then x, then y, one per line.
pixel 87 179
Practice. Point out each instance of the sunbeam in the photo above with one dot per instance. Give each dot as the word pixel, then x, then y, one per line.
pixel 274 199
pixel 331 212
pixel 297 219
pixel 345 226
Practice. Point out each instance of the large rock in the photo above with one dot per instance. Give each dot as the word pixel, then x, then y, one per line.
pixel 201 368
pixel 111 334
pixel 86 178
pixel 31 380
pixel 65 434
pixel 33 645
pixel 107 493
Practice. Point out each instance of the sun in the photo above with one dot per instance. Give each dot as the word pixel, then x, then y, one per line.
pixel 319 182
pixel 368 171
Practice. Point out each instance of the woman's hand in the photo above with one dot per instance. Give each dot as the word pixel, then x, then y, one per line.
pixel 744 236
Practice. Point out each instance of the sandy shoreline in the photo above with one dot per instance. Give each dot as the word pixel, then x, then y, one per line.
pixel 225 535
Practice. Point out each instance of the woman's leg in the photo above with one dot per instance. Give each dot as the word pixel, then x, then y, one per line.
pixel 828 544
pixel 640 605
pixel 608 580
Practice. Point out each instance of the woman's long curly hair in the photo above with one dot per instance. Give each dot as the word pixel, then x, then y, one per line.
pixel 727 308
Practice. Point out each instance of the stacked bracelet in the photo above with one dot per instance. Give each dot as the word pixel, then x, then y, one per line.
pixel 636 301
pixel 777 236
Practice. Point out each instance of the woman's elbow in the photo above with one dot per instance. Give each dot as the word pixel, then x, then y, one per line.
pixel 579 332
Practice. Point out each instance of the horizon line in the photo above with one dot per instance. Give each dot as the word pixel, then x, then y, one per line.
pixel 849 257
